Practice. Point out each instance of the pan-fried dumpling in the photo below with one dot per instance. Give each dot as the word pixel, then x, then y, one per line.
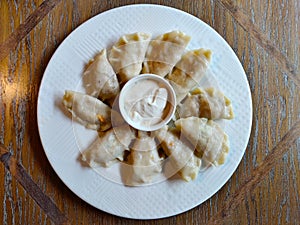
pixel 188 72
pixel 211 141
pixel 89 111
pixel 179 152
pixel 164 52
pixel 108 148
pixel 100 79
pixel 145 160
pixel 209 103
pixel 127 55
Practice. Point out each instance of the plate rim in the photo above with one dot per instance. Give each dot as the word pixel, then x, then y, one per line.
pixel 58 49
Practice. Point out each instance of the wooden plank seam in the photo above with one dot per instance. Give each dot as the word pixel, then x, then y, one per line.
pixel 258 174
pixel 261 39
pixel 24 29
pixel 23 178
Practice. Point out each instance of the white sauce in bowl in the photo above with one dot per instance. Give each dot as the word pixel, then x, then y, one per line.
pixel 147 102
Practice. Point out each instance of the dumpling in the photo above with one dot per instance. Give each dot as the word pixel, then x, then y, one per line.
pixel 145 160
pixel 210 141
pixel 89 111
pixel 188 72
pixel 191 68
pixel 108 148
pixel 209 103
pixel 180 92
pixel 191 170
pixel 99 78
pixel 164 52
pixel 179 152
pixel 127 55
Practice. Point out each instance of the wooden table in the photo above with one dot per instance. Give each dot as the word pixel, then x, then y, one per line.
pixel 265 187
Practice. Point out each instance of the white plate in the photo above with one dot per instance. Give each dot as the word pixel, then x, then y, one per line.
pixel 62 140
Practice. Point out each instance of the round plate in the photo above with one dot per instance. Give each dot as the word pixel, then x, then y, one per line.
pixel 63 140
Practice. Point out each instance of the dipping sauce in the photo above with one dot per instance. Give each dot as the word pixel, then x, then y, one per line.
pixel 147 102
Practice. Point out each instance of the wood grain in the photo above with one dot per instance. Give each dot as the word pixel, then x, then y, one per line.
pixel 24 28
pixel 19 173
pixel 258 174
pixel 264 189
pixel 262 40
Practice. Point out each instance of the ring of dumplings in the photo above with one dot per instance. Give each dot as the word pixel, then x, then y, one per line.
pixel 192 142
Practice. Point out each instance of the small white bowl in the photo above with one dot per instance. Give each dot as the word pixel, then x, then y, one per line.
pixel 130 95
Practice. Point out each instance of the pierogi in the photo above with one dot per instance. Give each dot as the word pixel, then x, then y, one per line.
pixel 164 52
pixel 109 147
pixel 209 103
pixel 145 160
pixel 192 140
pixel 127 55
pixel 210 141
pixel 99 78
pixel 181 153
pixel 188 72
pixel 87 110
